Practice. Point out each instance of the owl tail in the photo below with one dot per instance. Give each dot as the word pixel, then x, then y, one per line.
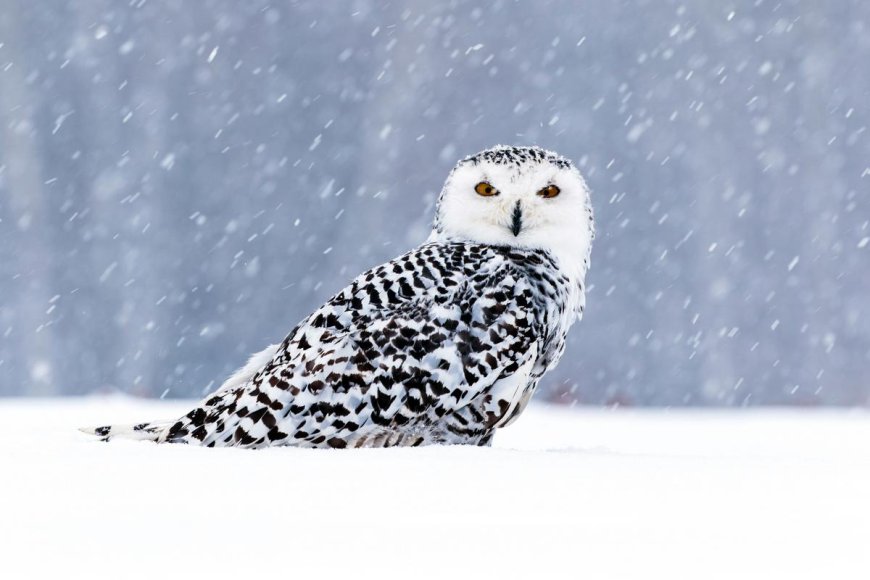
pixel 139 432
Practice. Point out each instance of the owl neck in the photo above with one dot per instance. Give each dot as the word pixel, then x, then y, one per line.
pixel 572 260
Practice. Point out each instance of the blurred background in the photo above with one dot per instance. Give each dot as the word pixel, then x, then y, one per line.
pixel 182 182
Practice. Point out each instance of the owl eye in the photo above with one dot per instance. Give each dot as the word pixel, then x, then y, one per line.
pixel 485 189
pixel 549 192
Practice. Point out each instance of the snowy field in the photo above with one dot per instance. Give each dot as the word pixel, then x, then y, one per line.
pixel 562 494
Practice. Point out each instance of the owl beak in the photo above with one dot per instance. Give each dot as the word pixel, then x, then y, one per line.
pixel 517 219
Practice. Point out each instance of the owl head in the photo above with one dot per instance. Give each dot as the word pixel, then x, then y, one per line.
pixel 524 197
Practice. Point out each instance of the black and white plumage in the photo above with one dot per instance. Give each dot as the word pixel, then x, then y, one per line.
pixel 444 344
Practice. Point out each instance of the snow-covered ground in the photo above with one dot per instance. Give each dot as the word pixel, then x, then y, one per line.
pixel 563 493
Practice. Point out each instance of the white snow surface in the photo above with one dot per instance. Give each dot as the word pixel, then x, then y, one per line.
pixel 561 494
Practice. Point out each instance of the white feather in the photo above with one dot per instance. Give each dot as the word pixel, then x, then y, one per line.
pixel 247 372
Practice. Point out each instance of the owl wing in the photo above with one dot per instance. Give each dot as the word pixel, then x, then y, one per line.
pixel 400 348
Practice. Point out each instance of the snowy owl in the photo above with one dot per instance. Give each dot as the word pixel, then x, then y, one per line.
pixel 444 344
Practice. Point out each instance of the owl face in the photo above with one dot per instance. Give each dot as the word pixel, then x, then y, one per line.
pixel 519 196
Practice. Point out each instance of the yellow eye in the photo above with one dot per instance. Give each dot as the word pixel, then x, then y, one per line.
pixel 485 189
pixel 549 191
